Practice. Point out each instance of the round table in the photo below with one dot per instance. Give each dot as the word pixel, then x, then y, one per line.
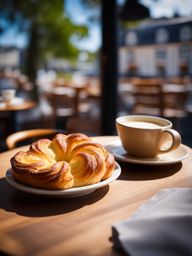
pixel 23 105
pixel 12 109
pixel 34 225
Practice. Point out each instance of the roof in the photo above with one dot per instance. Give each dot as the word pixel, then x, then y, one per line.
pixel 165 21
pixel 146 32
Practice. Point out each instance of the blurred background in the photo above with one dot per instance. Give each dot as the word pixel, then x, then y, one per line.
pixel 85 62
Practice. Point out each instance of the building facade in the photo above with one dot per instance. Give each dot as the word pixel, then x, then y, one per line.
pixel 157 48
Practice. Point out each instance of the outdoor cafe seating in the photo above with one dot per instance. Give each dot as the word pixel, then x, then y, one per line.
pixel 157 97
pixel 140 191
pixel 27 136
pixel 95 146
pixel 12 109
pixel 65 100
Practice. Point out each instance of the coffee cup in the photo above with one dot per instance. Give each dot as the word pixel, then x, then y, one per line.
pixel 8 95
pixel 146 136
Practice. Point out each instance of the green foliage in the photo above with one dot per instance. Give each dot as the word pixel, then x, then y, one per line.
pixel 66 76
pixel 49 29
pixel 91 56
pixel 130 24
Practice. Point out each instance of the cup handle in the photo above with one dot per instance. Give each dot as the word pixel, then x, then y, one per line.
pixel 176 140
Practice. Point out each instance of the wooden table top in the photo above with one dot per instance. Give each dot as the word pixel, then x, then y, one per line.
pixel 34 225
pixel 23 105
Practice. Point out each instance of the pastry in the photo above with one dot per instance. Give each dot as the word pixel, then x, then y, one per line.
pixel 67 161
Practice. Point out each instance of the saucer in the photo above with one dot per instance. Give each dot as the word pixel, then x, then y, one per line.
pixel 66 193
pixel 171 157
pixel 14 101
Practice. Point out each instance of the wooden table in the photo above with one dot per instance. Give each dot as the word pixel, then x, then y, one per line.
pixel 12 109
pixel 33 225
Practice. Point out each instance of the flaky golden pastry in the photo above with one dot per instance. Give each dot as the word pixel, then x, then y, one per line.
pixel 66 161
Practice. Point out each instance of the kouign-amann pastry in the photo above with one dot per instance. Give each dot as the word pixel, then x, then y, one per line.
pixel 67 161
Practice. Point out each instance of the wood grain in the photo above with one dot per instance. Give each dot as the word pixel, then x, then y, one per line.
pixel 33 225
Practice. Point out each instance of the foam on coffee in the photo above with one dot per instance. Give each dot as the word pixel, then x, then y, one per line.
pixel 142 124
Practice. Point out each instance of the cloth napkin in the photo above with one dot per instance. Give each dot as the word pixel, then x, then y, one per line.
pixel 161 226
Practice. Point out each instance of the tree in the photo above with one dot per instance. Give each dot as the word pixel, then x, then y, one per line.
pixel 48 29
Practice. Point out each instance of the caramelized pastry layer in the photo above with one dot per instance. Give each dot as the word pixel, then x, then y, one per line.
pixel 67 161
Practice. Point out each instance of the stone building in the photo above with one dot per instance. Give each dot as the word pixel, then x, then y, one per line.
pixel 160 47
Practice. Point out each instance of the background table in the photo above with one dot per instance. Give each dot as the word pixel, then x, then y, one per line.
pixel 33 225
pixel 12 109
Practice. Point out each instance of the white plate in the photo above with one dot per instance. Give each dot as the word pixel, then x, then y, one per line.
pixel 172 157
pixel 72 192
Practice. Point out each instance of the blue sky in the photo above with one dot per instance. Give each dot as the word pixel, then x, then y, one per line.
pixel 168 7
pixel 80 16
pixel 92 42
pixel 157 8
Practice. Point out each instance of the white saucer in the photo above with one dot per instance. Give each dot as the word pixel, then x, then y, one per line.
pixel 14 101
pixel 172 157
pixel 72 192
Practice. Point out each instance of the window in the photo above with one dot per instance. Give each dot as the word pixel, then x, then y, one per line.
pixel 160 54
pixel 185 33
pixel 131 38
pixel 184 51
pixel 162 35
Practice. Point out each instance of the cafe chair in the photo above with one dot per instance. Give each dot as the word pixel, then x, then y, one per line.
pixel 148 97
pixel 155 97
pixel 64 104
pixel 61 107
pixel 28 136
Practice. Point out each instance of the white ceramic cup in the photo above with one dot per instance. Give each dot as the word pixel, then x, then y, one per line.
pixel 8 95
pixel 146 136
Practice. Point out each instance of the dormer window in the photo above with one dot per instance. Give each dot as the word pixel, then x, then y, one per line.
pixel 162 35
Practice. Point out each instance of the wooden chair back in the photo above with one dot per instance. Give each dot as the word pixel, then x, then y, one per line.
pixel 13 139
pixel 147 96
pixel 154 97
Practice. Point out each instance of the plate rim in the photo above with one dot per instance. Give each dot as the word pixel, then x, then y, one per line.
pixel 142 160
pixel 74 192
